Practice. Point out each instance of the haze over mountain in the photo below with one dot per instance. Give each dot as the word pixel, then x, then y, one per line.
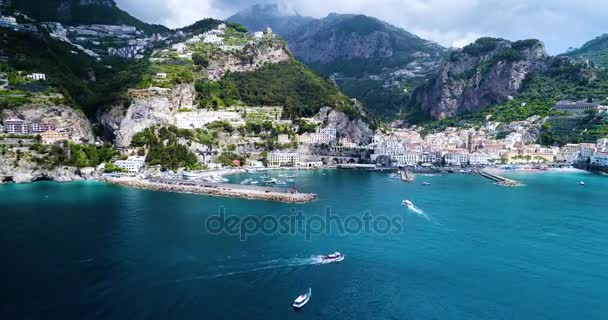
pixel 369 58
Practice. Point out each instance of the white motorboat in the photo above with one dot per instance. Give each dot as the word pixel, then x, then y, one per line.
pixel 407 203
pixel 582 183
pixel 302 299
pixel 426 183
pixel 334 257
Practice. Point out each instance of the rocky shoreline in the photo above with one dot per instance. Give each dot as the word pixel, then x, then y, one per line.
pixel 233 191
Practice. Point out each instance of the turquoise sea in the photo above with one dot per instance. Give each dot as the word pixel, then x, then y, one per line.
pixel 472 250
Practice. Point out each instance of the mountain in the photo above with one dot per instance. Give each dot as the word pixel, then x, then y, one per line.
pixel 506 80
pixel 484 73
pixel 358 44
pixel 261 16
pixel 369 59
pixel 83 12
pixel 595 51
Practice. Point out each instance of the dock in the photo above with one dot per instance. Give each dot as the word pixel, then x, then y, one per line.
pixel 215 189
pixel 500 180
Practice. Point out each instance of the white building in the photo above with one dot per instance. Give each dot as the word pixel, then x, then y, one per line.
pixel 602 144
pixel 279 159
pixel 8 21
pixel 36 76
pixel 258 34
pixel 179 47
pixel 133 163
pixel 480 158
pixel 213 39
pixel 457 158
pixel 16 126
pixel 284 139
pixel 198 119
pixel 600 159
pixel 586 151
pixel 428 157
pixel 346 142
pixel 407 158
pixel 324 135
pixel 576 107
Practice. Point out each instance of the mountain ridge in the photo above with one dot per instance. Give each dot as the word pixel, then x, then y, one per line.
pixel 83 12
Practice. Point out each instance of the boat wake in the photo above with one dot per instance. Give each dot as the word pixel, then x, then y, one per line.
pixel 419 212
pixel 260 266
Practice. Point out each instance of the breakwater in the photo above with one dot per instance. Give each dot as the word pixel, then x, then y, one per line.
pixel 500 180
pixel 215 189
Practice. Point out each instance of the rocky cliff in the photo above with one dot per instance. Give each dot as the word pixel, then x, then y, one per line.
pixel 251 58
pixel 487 72
pixel 147 108
pixel 58 115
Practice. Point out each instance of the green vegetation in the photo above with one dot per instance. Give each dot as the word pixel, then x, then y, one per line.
pixel 481 46
pixel 68 73
pixel 111 168
pixel 88 155
pixel 202 26
pixel 563 81
pixel 164 149
pixel 71 12
pixel 568 129
pixel 595 50
pixel 70 154
pixel 290 84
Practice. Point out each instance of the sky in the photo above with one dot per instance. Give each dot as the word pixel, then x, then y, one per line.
pixel 560 24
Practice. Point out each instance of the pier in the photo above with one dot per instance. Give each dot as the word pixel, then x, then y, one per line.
pixel 215 189
pixel 500 180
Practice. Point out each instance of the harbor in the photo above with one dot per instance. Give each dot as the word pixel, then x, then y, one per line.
pixel 215 189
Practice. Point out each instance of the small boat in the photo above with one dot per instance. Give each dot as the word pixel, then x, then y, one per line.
pixel 407 203
pixel 426 183
pixel 582 183
pixel 334 257
pixel 302 299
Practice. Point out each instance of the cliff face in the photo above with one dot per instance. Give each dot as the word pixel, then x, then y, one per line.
pixel 147 108
pixel 488 72
pixel 61 116
pixel 249 59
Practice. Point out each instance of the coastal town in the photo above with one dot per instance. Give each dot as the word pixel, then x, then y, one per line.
pixel 218 135
pixel 394 147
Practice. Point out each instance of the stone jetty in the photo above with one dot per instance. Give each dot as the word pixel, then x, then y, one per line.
pixel 500 180
pixel 214 189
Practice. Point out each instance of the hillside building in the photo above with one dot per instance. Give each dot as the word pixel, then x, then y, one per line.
pixel 52 137
pixel 133 164
pixel 576 107
pixel 16 126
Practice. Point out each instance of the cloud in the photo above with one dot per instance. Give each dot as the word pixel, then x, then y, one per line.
pixel 559 23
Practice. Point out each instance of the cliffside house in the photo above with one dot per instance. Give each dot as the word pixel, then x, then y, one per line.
pixel 16 126
pixel 280 159
pixel 133 163
pixel 52 136
pixel 600 159
pixel 36 76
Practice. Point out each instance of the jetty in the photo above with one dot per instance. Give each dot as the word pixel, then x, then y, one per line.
pixel 214 189
pixel 500 180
